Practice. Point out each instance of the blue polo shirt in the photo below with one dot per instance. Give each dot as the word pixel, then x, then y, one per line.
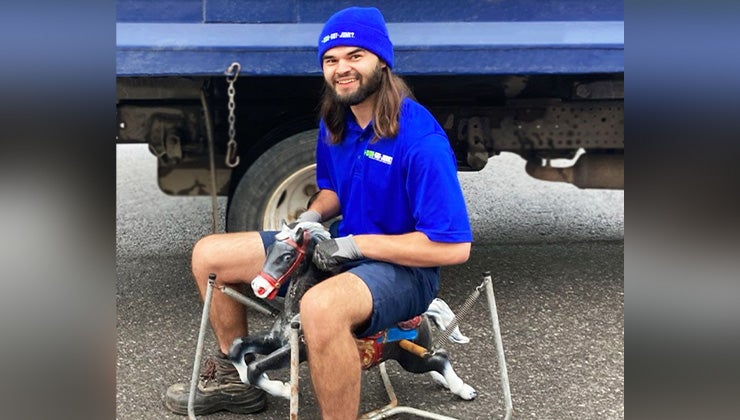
pixel 398 185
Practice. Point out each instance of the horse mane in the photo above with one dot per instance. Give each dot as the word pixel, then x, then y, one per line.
pixel 315 230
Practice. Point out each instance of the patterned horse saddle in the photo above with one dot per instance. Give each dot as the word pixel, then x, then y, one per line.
pixel 371 347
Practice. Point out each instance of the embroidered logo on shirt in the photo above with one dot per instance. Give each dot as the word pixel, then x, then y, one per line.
pixel 379 157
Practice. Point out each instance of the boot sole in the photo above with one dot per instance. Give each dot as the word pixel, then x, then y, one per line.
pixel 247 404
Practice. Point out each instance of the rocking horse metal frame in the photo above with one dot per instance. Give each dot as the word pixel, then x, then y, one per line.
pixel 283 340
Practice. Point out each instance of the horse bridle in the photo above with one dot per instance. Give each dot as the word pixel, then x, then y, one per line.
pixel 301 249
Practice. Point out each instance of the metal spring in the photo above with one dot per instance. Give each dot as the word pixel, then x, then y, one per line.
pixel 461 313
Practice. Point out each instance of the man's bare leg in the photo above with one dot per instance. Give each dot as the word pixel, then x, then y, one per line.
pixel 329 313
pixel 236 258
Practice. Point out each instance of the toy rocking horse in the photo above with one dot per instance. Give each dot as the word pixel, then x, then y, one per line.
pixel 290 259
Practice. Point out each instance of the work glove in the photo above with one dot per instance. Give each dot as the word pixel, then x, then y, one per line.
pixel 309 216
pixel 332 253
pixel 306 216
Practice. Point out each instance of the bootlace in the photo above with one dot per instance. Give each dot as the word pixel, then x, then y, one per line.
pixel 208 373
pixel 220 371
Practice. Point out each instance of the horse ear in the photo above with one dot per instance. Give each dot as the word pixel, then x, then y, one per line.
pixel 299 236
pixel 284 228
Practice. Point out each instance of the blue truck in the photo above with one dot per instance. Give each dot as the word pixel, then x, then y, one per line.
pixel 225 92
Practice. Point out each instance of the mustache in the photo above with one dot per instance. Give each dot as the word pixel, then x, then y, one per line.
pixel 350 73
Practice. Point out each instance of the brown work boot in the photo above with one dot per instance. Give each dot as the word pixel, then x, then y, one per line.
pixel 219 388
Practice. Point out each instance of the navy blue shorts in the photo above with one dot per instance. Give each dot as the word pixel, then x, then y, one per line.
pixel 399 292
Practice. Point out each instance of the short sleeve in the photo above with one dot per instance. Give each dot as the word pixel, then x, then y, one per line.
pixel 434 191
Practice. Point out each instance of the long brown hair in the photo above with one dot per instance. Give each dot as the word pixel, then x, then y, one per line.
pixel 393 89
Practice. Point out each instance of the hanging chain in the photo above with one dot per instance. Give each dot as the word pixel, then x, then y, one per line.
pixel 232 160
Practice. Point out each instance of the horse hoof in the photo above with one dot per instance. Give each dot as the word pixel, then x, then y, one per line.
pixel 468 393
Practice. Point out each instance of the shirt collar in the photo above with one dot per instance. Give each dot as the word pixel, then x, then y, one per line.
pixel 354 130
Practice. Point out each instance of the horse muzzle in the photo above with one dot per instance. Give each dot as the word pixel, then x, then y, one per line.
pixel 264 286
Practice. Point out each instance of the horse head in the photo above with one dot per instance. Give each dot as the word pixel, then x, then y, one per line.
pixel 288 257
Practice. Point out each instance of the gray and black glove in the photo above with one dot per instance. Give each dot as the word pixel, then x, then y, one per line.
pixel 306 216
pixel 309 216
pixel 332 253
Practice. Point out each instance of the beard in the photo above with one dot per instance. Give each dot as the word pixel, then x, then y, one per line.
pixel 367 87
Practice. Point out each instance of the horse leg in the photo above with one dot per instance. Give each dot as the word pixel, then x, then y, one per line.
pixel 439 366
pixel 243 347
pixel 275 360
pixel 260 344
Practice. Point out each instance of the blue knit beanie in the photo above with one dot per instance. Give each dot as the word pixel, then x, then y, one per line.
pixel 362 27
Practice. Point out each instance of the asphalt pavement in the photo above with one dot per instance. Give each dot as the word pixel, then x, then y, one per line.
pixel 555 253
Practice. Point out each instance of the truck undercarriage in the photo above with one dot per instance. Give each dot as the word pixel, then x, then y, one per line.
pixel 539 117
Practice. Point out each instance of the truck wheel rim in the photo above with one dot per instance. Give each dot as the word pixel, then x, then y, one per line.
pixel 289 199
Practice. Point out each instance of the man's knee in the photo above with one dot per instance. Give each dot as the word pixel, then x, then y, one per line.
pixel 334 306
pixel 316 309
pixel 205 249
pixel 320 319
pixel 232 256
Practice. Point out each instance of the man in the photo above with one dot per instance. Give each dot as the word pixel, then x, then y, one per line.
pixel 386 165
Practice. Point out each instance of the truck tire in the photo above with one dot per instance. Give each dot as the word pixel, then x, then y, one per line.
pixel 277 186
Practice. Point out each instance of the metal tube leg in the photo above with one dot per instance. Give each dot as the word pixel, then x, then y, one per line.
pixel 199 346
pixel 499 344
pixel 250 303
pixel 295 351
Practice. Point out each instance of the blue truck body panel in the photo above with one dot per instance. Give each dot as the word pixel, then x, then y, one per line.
pixel 317 11
pixel 279 38
pixel 540 78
